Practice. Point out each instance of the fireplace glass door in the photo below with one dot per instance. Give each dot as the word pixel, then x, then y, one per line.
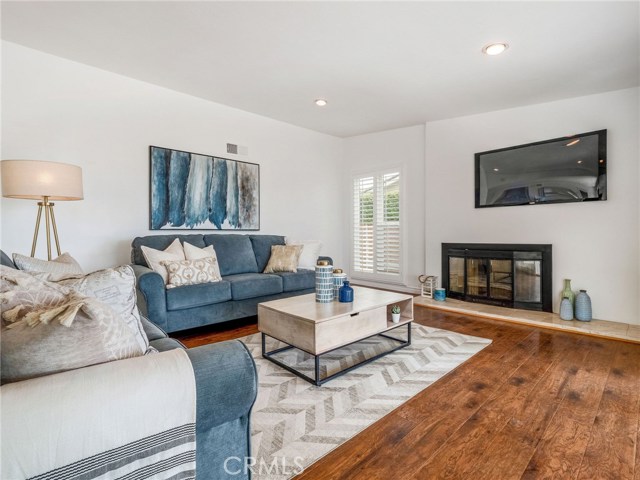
pixel 456 275
pixel 501 279
pixel 477 269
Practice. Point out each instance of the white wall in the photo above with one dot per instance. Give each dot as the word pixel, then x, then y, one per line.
pixel 404 148
pixel 58 110
pixel 594 244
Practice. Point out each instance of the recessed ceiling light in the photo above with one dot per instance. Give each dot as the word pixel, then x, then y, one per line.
pixel 496 169
pixel 579 161
pixel 321 102
pixel 495 48
pixel 573 142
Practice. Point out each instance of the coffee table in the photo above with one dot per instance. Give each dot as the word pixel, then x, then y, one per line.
pixel 320 328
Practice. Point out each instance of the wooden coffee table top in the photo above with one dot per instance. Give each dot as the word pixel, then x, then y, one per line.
pixel 306 308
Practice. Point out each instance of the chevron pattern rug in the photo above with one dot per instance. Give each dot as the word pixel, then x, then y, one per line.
pixel 295 423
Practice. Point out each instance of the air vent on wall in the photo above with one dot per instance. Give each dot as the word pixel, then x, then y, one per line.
pixel 237 149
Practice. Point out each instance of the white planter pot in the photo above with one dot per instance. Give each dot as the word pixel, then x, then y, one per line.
pixel 395 317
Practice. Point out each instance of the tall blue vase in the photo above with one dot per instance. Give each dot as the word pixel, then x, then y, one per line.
pixel 583 306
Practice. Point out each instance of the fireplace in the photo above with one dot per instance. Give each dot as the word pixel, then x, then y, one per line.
pixel 508 275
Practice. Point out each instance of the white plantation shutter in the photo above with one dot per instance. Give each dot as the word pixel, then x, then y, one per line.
pixel 376 226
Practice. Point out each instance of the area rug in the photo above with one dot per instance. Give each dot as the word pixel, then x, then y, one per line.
pixel 295 423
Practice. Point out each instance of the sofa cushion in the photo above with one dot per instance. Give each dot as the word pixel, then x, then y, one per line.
pixel 262 248
pixel 250 285
pixel 301 280
pixel 160 242
pixel 234 252
pixel 189 296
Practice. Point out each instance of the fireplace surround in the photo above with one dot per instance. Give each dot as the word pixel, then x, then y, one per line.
pixel 508 275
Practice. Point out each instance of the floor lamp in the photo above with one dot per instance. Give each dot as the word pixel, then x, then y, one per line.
pixel 44 182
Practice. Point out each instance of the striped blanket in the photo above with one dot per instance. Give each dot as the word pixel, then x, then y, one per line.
pixel 130 419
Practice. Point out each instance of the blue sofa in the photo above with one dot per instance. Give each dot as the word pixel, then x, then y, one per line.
pixel 241 258
pixel 226 388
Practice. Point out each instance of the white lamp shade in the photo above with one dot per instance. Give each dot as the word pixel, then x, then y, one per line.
pixel 34 179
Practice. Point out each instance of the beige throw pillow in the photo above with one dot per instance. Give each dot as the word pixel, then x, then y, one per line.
pixel 195 253
pixel 49 328
pixel 192 272
pixel 284 258
pixel 155 257
pixel 62 266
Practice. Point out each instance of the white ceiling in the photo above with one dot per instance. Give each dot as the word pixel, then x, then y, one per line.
pixel 380 65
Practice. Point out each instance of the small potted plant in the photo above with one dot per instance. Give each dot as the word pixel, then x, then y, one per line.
pixel 395 313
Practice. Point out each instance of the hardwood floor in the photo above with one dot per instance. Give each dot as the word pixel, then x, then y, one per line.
pixel 534 404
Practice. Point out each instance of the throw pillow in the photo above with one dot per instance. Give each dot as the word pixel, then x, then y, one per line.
pixel 115 287
pixel 310 253
pixel 50 328
pixel 284 258
pixel 192 272
pixel 155 257
pixel 194 253
pixel 64 265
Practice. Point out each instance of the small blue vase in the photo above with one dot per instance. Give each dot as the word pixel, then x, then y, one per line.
pixel 566 309
pixel 345 294
pixel 583 306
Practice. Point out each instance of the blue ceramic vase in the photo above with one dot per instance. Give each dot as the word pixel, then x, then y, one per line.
pixel 345 294
pixel 566 309
pixel 583 306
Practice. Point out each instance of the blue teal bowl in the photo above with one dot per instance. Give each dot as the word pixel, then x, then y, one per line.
pixel 440 294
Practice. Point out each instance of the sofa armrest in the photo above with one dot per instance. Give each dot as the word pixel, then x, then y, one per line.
pixel 152 296
pixel 226 382
pixel 57 420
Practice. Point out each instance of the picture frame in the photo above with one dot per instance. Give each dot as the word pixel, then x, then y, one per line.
pixel 192 191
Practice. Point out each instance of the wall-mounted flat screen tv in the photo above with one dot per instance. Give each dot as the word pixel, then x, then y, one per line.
pixel 566 169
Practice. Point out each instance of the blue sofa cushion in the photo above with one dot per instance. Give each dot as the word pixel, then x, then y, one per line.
pixel 234 252
pixel 250 285
pixel 301 280
pixel 160 242
pixel 190 296
pixel 262 248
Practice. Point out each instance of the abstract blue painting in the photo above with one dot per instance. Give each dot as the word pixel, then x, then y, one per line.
pixel 201 192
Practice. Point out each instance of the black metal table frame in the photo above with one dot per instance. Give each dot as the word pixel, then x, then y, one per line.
pixel 319 381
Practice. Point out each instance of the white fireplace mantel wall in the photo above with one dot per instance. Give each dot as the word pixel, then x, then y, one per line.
pixel 595 244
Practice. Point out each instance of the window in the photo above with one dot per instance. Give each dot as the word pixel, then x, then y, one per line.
pixel 376 250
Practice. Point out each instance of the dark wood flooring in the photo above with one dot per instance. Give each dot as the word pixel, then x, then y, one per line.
pixel 534 404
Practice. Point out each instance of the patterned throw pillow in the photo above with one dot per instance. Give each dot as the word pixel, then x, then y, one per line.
pixel 194 253
pixel 284 258
pixel 192 272
pixel 65 264
pixel 155 257
pixel 48 328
